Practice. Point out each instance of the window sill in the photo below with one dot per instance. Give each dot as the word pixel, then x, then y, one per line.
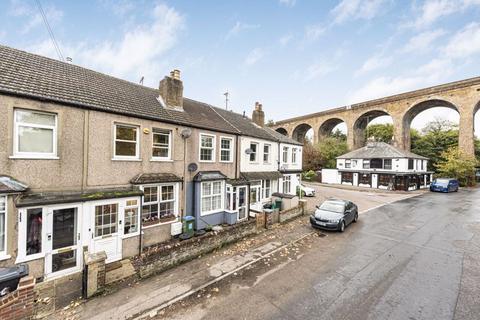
pixel 4 257
pixel 226 161
pixel 159 224
pixel 127 159
pixel 211 212
pixel 160 160
pixel 30 258
pixel 25 157
pixel 206 161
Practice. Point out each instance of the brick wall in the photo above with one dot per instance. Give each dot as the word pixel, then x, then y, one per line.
pixel 291 213
pixel 19 304
pixel 161 257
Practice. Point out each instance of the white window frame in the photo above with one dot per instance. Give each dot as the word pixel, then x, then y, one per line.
pixel 137 142
pixel 3 253
pixel 255 160
pixel 230 150
pixel 285 154
pixel 269 146
pixel 159 190
pixel 287 180
pixel 22 235
pixel 139 217
pixel 264 189
pixel 348 163
pixel 222 195
pixel 213 148
pixel 257 187
pixel 16 141
pixel 294 155
pixel 170 144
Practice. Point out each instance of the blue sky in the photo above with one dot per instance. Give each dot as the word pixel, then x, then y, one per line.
pixel 294 56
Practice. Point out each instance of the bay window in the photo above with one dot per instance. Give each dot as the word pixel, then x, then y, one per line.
pixel 255 191
pixel 35 134
pixel 207 148
pixel 162 144
pixel 226 149
pixel 287 184
pixel 126 142
pixel 212 196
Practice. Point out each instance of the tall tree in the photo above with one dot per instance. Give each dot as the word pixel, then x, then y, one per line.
pixel 329 149
pixel 381 132
pixel 455 163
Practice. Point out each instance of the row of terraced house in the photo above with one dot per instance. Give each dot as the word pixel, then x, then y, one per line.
pixel 92 162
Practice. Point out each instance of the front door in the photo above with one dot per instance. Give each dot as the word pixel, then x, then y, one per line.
pixel 106 234
pixel 242 203
pixel 63 253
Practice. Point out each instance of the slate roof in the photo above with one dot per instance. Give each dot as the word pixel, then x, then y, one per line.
pixel 146 178
pixel 30 75
pixel 209 175
pixel 10 185
pixel 379 150
pixel 247 127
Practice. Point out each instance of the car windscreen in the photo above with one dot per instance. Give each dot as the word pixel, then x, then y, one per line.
pixel 442 182
pixel 332 206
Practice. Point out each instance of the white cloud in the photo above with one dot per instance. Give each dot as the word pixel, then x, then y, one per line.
pixel 119 7
pixel 288 3
pixel 375 62
pixel 238 28
pixel 464 43
pixel 313 32
pixel 32 16
pixel 319 69
pixel 254 56
pixel 285 39
pixel 423 41
pixel 357 9
pixel 138 52
pixel 432 10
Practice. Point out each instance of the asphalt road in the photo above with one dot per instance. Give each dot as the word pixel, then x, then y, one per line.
pixel 414 259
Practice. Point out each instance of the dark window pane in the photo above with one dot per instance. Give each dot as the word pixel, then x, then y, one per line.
pixel 125 149
pixel 126 133
pixel 34 231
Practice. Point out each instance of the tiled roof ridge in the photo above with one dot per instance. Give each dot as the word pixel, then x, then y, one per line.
pixel 214 110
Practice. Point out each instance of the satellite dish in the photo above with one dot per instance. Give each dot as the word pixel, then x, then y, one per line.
pixel 186 133
pixel 192 167
pixel 249 151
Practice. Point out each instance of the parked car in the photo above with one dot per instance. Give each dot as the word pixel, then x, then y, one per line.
pixel 334 215
pixel 444 185
pixel 306 191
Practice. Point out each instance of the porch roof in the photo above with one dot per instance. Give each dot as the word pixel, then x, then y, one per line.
pixel 50 198
pixel 147 178
pixel 209 176
pixel 10 185
pixel 261 175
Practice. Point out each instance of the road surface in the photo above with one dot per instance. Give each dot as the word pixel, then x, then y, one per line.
pixel 418 258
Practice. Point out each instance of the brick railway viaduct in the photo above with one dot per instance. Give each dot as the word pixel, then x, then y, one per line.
pixel 462 96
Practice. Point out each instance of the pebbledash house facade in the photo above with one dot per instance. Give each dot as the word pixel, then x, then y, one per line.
pixel 380 165
pixel 89 162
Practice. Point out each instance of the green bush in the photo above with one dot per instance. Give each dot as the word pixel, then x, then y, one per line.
pixel 308 175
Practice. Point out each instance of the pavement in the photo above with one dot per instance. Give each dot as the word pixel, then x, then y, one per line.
pixel 418 258
pixel 156 295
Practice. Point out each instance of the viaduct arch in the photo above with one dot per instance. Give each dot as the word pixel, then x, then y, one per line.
pixel 462 96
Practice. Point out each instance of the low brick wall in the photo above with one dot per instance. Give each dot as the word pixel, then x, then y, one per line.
pixel 292 213
pixel 161 257
pixel 19 303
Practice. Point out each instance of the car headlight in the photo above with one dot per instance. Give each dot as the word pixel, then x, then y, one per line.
pixel 333 220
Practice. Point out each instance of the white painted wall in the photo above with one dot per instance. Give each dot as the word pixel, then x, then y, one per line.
pixel 330 176
pixel 247 166
pixel 398 165
pixel 289 165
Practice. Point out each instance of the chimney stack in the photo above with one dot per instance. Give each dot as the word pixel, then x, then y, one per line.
pixel 171 91
pixel 258 116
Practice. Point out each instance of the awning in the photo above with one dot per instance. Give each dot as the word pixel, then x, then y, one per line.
pixel 261 175
pixel 49 198
pixel 149 178
pixel 10 185
pixel 209 176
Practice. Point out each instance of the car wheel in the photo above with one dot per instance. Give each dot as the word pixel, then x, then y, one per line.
pixel 355 219
pixel 342 226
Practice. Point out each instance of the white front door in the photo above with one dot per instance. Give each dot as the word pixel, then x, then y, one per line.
pixel 242 203
pixel 107 220
pixel 63 233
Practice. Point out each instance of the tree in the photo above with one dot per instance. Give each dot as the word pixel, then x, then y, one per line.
pixel 456 164
pixel 311 157
pixel 329 149
pixel 382 132
pixel 270 123
pixel 338 134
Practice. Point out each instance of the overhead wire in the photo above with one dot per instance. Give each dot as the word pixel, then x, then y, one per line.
pixel 50 31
